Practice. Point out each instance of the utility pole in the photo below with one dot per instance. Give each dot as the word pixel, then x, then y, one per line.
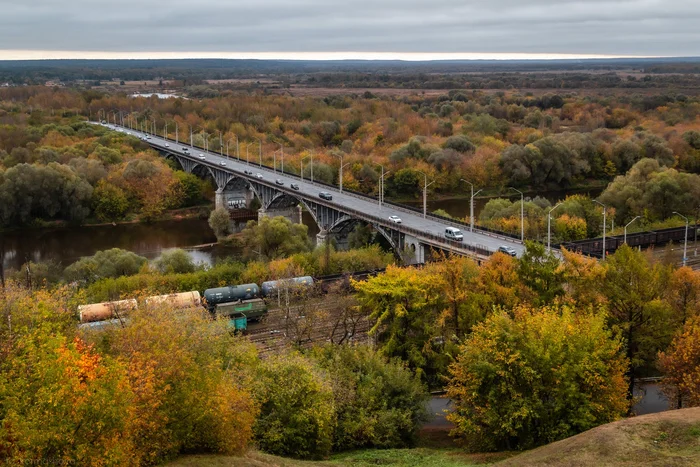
pixel 604 225
pixel 685 243
pixel 471 204
pixel 425 192
pixel 627 225
pixel 282 154
pixel 522 214
pixel 260 143
pixel 549 228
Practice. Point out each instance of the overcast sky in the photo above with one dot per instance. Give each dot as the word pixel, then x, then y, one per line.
pixel 190 28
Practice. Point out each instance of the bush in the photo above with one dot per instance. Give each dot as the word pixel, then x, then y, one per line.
pixel 542 376
pixel 378 403
pixel 175 261
pixel 108 263
pixel 297 414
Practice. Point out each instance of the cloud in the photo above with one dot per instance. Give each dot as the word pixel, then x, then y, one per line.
pixel 601 27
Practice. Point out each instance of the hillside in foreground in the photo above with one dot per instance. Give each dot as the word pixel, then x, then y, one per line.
pixel 669 439
pixel 665 439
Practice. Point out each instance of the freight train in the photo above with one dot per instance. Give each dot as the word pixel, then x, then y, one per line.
pixel 239 304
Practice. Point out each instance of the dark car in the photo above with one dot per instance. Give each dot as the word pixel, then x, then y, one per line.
pixel 248 172
pixel 294 186
pixel 279 182
pixel 325 195
pixel 507 250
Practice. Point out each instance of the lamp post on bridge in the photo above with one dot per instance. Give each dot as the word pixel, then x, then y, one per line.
pixel 221 145
pixel 471 204
pixel 301 171
pixel 627 225
pixel 549 227
pixel 381 184
pixel 604 224
pixel 522 214
pixel 260 152
pixel 425 192
pixel 282 154
pixel 340 156
pixel 685 243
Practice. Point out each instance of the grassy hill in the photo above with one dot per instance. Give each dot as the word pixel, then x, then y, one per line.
pixel 668 439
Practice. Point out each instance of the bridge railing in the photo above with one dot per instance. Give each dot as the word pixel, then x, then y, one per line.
pixel 400 207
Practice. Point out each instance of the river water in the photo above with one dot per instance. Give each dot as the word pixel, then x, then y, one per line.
pixel 68 244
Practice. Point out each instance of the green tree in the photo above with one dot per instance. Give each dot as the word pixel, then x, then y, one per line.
pixel 275 237
pixel 297 415
pixel 108 263
pixel 543 375
pixel 109 202
pixel 360 237
pixel 539 271
pixel 175 261
pixel 378 403
pixel 633 289
pixel 220 222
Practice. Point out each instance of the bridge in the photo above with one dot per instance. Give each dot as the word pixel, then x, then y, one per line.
pixel 238 182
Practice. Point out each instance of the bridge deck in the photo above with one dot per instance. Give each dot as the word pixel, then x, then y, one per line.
pixel 429 230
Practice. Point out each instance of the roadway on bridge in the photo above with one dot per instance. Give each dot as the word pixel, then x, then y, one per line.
pixel 310 190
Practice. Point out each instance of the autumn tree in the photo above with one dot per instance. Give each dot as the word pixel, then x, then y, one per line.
pixel 679 364
pixel 542 375
pixel 633 289
pixel 538 270
pixel 401 303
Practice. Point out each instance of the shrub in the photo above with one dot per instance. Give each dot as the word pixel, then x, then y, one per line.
pixel 297 414
pixel 378 403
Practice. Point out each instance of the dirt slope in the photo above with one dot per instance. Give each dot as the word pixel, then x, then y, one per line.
pixel 667 439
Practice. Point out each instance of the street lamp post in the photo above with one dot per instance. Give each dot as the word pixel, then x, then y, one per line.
pixel 340 156
pixel 282 154
pixel 301 169
pixel 627 225
pixel 685 243
pixel 221 144
pixel 381 184
pixel 177 134
pixel 522 214
pixel 549 227
pixel 471 204
pixel 260 143
pixel 604 224
pixel 425 192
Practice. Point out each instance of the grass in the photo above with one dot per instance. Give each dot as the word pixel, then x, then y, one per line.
pixel 418 457
pixel 669 439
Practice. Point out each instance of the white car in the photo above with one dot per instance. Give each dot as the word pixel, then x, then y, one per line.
pixel 201 157
pixel 167 145
pixel 395 219
pixel 222 163
pixel 258 176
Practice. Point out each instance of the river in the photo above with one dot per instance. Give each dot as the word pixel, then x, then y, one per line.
pixel 66 245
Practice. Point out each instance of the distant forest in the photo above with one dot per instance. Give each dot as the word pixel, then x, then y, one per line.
pixel 474 74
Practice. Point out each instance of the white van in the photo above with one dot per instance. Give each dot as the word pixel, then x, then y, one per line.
pixel 452 233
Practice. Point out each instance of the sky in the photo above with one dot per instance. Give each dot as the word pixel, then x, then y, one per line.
pixel 326 29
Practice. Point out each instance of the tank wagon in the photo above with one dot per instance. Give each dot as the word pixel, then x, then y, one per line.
pixel 106 310
pixel 270 288
pixel 235 293
pixel 176 300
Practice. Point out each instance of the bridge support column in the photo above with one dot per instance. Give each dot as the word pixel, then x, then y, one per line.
pixel 233 198
pixel 413 250
pixel 339 241
pixel 292 213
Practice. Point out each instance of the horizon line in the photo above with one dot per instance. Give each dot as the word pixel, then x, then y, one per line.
pixel 19 55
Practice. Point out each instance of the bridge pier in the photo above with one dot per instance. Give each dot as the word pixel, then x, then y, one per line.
pixel 413 250
pixel 340 241
pixel 237 198
pixel 292 213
